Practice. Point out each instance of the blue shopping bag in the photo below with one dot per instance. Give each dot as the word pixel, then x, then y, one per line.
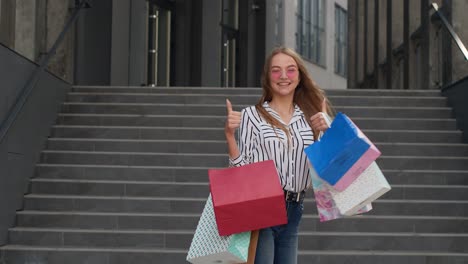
pixel 340 147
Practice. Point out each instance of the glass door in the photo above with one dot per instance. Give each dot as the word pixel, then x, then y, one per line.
pixel 159 51
pixel 230 33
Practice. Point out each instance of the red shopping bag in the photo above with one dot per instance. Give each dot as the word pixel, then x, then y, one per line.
pixel 247 198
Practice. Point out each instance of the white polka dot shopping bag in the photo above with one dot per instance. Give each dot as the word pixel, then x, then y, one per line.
pixel 209 247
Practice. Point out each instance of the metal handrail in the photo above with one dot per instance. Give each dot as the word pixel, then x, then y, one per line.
pixel 30 84
pixel 449 27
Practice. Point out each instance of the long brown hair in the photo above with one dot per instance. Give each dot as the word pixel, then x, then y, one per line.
pixel 307 95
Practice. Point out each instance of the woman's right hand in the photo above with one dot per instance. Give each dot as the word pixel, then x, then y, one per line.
pixel 233 120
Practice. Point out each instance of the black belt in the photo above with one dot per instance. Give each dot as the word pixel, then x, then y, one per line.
pixel 293 196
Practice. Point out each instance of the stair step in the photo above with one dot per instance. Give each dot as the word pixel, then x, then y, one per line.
pixel 218 121
pixel 181 239
pixel 135 173
pixel 138 145
pixel 310 222
pixel 139 204
pixel 120 188
pixel 247 90
pixel 200 174
pixel 209 109
pixel 198 133
pixel 424 149
pixel 438 177
pixel 77 255
pixel 141 239
pixel 219 146
pixel 123 179
pixel 423 162
pixel 201 190
pixel 221 160
pixel 191 98
pixel 134 158
pixel 60 255
pixel 385 206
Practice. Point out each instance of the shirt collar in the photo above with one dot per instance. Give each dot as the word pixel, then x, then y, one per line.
pixel 298 114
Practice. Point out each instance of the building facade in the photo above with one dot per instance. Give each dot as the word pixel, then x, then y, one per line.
pixel 317 29
pixel 179 42
pixel 402 44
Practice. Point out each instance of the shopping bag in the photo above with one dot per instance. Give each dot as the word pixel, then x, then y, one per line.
pixel 252 246
pixel 370 185
pixel 324 199
pixel 361 164
pixel 209 247
pixel 342 153
pixel 247 198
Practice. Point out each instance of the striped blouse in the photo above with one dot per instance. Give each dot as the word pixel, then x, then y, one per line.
pixel 259 141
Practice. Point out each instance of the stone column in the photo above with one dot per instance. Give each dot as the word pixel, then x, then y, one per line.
pixel 360 43
pixel 351 44
pixel 414 23
pixel 41 29
pixel 61 64
pixel 435 49
pixel 138 42
pixel 25 28
pixel 397 41
pixel 119 67
pixel 397 21
pixel 382 24
pixel 211 43
pixel 273 25
pixel 371 24
pixel 7 23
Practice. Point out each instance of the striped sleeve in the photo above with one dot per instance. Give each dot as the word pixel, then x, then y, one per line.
pixel 248 138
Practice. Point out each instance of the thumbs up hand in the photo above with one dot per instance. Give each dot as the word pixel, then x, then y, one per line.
pixel 233 120
pixel 319 121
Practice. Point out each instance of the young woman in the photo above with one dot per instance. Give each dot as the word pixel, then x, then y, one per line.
pixel 287 118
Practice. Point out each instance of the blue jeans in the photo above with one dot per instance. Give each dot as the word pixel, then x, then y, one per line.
pixel 278 244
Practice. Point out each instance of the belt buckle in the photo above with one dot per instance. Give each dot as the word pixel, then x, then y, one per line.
pixel 290 196
pixel 298 197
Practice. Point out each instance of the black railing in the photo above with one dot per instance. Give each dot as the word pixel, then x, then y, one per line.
pixel 32 81
pixel 452 32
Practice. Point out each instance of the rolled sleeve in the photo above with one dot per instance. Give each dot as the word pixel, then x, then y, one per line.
pixel 248 132
pixel 237 162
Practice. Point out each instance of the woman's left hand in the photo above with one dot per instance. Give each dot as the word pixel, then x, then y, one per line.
pixel 319 121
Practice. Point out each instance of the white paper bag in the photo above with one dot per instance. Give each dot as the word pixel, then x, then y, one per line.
pixel 369 186
pixel 325 201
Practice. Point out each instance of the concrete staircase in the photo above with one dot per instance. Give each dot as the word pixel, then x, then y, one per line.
pixel 123 179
